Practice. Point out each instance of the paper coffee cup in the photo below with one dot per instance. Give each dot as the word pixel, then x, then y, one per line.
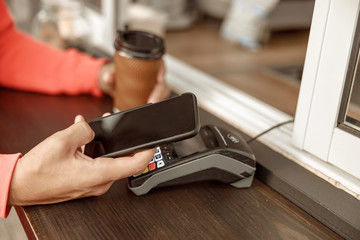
pixel 137 58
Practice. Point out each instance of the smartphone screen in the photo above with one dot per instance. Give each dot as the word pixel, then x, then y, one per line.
pixel 144 127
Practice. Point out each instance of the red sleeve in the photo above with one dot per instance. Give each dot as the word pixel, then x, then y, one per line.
pixel 27 64
pixel 7 166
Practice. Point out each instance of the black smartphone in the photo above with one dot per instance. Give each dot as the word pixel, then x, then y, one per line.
pixel 144 127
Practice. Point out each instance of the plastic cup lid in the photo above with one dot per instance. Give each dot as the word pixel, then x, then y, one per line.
pixel 139 44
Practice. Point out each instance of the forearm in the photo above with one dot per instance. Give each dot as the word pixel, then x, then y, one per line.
pixel 29 65
pixel 7 166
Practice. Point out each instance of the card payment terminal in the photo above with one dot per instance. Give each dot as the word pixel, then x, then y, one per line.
pixel 213 154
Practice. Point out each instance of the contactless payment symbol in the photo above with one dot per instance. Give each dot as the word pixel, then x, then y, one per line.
pixel 233 138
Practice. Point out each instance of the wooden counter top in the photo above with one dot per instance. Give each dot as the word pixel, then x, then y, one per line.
pixel 205 210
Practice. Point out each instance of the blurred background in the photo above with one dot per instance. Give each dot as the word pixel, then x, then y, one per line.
pixel 84 23
pixel 257 46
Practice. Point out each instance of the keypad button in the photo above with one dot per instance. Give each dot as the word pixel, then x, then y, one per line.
pixel 160 164
pixel 170 158
pixel 157 157
pixel 152 166
pixel 158 160
pixel 167 148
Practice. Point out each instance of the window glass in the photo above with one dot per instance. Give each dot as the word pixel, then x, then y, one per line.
pixel 350 107
pixel 352 118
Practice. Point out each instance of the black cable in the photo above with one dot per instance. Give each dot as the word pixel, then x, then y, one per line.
pixel 268 130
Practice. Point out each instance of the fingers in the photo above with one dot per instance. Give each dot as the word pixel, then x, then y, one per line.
pixel 78 134
pixel 122 167
pixel 161 72
pixel 159 93
pixel 106 80
pixel 79 118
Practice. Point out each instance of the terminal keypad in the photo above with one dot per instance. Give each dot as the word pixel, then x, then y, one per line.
pixel 163 156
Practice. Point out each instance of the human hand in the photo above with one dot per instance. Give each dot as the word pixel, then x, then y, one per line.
pixel 107 82
pixel 161 91
pixel 55 171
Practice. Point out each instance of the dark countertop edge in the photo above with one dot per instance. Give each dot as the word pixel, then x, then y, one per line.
pixel 333 207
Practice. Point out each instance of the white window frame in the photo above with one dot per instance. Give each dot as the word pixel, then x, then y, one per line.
pixel 314 116
pixel 323 81
pixel 105 21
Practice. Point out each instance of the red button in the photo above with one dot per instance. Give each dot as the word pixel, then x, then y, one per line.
pixel 152 166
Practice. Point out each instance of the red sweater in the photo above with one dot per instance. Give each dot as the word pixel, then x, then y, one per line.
pixel 27 64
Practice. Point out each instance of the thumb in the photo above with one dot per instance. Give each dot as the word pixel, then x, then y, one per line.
pixel 78 134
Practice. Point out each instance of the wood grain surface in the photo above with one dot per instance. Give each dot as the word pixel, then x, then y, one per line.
pixel 206 210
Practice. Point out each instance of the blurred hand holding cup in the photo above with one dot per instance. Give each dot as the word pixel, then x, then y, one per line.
pixel 138 58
